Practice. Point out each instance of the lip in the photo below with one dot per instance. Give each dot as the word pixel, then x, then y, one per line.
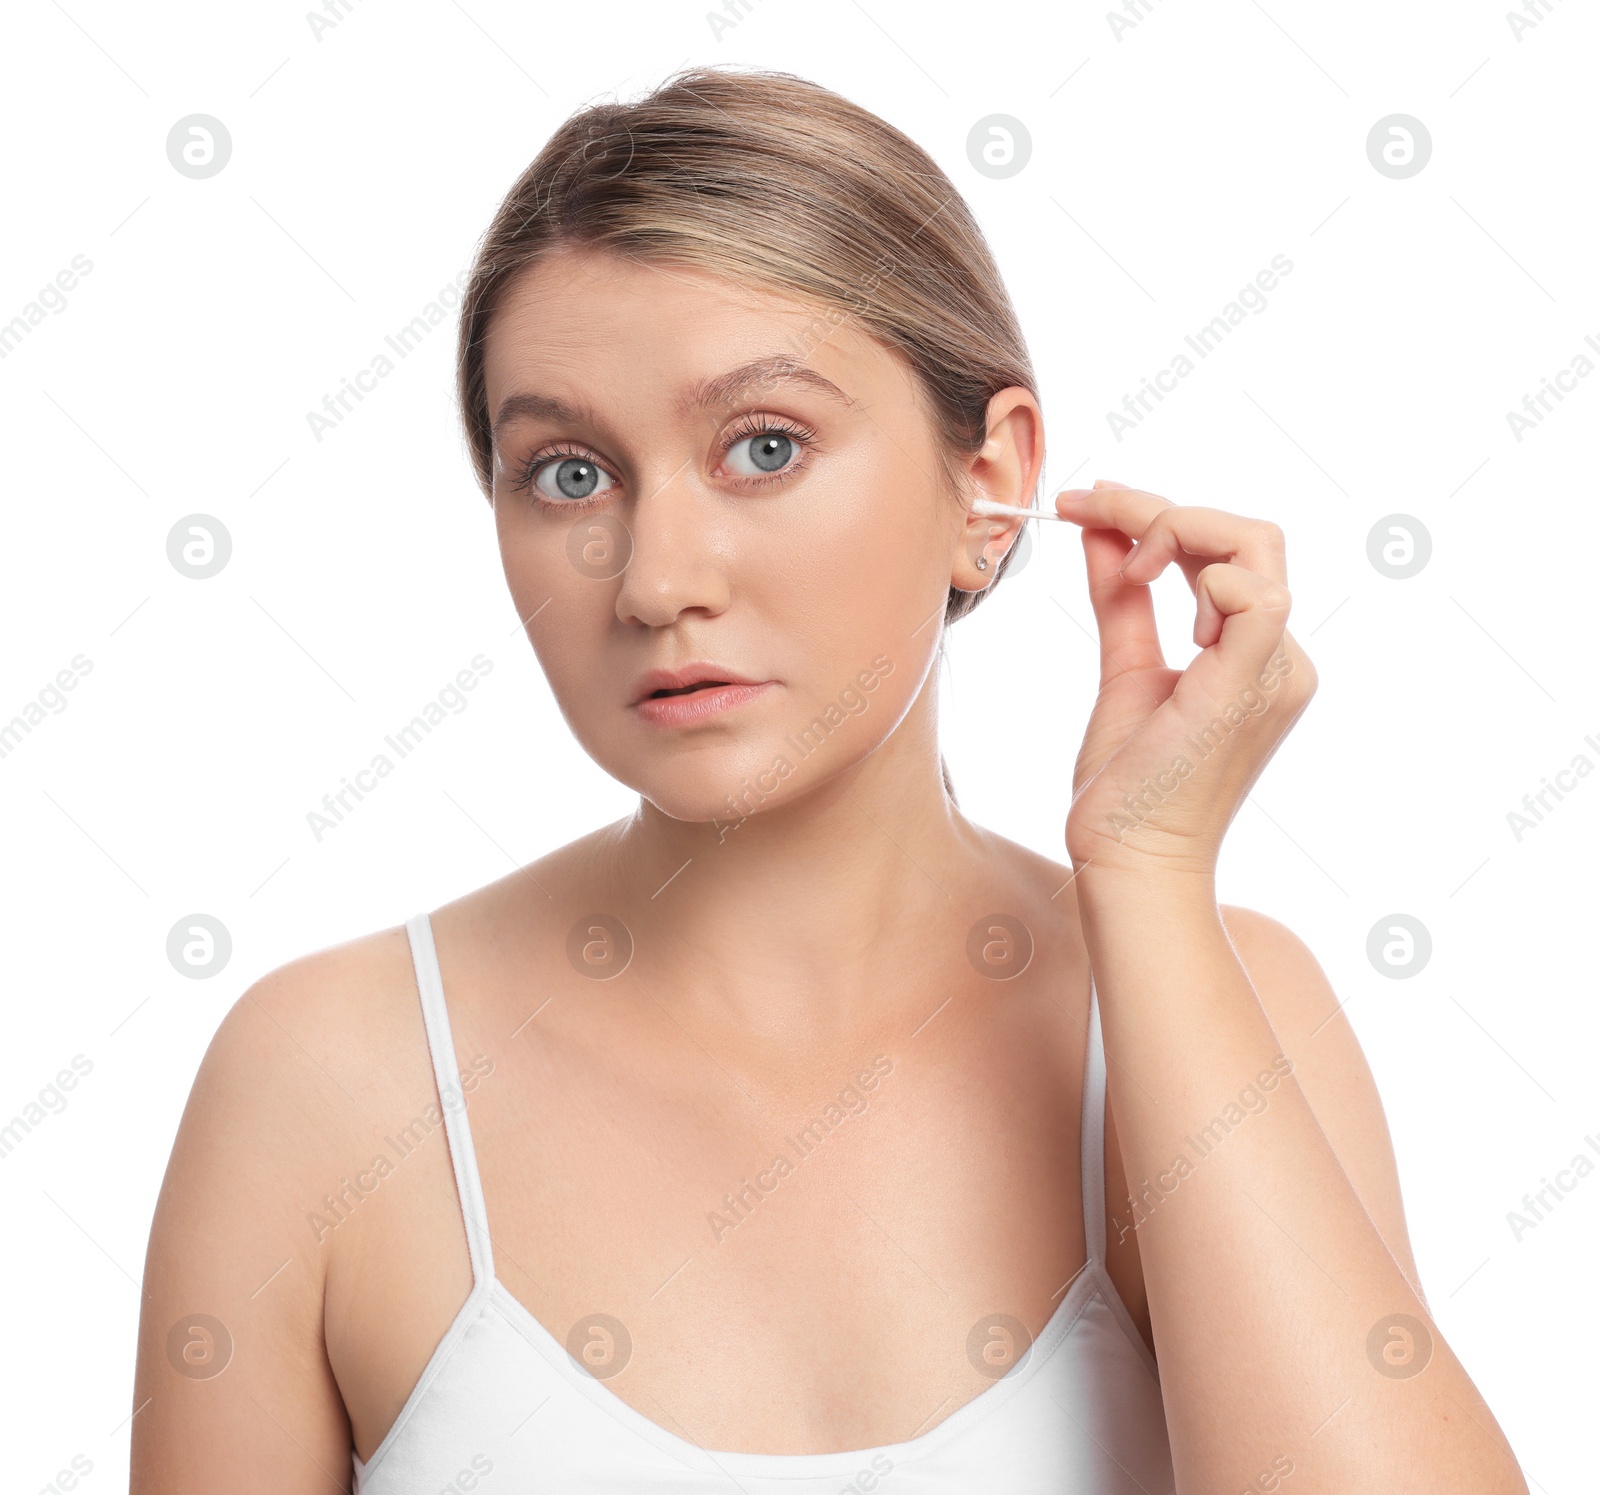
pixel 733 689
pixel 690 674
pixel 685 711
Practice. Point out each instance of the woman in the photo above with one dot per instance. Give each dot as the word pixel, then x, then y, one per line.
pixel 819 1139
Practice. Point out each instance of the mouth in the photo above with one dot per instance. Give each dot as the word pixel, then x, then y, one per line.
pixel 686 690
pixel 678 698
pixel 698 675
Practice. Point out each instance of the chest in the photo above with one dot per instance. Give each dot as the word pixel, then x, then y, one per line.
pixel 791 1266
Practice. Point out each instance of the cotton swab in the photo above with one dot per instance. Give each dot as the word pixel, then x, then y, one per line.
pixel 989 506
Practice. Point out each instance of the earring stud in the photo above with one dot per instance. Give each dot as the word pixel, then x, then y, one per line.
pixel 983 563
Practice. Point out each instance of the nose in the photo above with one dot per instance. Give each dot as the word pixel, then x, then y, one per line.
pixel 673 568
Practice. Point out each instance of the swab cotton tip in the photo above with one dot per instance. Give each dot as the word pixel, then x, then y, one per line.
pixel 989 506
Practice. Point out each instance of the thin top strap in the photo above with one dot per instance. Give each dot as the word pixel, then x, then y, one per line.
pixel 1093 1130
pixel 452 1100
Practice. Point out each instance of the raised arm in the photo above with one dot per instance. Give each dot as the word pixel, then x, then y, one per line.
pixel 1294 1344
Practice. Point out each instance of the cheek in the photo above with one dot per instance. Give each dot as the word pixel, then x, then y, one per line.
pixel 826 615
pixel 861 607
pixel 867 558
pixel 561 582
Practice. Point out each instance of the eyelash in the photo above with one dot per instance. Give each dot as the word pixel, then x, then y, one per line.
pixel 749 425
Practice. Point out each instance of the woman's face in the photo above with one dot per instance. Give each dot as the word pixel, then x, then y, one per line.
pixel 688 472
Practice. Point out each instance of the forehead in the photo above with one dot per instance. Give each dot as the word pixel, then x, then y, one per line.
pixel 583 324
pixel 593 282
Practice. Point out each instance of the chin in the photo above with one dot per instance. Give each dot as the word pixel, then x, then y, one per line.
pixel 725 788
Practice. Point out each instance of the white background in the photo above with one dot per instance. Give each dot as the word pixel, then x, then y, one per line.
pixel 1167 168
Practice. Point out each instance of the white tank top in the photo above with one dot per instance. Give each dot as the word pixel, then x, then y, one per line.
pixel 502 1405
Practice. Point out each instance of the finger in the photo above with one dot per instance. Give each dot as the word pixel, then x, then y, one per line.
pixel 1243 614
pixel 1109 507
pixel 1183 531
pixel 1180 531
pixel 1124 614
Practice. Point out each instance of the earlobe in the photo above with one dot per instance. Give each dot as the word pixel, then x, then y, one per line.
pixel 984 551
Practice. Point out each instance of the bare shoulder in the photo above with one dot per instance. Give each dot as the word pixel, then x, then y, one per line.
pixel 270 1248
pixel 285 1071
pixel 301 1045
pixel 234 1280
pixel 1317 1039
pixel 329 995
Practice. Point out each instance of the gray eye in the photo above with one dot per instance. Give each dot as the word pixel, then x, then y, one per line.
pixel 770 451
pixel 573 477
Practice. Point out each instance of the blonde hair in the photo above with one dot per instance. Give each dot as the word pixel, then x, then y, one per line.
pixel 766 178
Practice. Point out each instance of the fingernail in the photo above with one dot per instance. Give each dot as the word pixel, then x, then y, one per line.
pixel 1074 493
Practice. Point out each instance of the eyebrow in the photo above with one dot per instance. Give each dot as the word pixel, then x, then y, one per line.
pixel 703 394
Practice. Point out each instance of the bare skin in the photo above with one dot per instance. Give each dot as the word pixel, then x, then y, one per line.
pixel 779 947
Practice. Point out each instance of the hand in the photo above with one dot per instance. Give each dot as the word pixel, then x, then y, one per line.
pixel 1168 755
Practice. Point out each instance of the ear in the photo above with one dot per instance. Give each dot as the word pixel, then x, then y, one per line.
pixel 1005 468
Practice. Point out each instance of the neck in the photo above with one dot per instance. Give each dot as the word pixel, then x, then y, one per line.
pixel 793 916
